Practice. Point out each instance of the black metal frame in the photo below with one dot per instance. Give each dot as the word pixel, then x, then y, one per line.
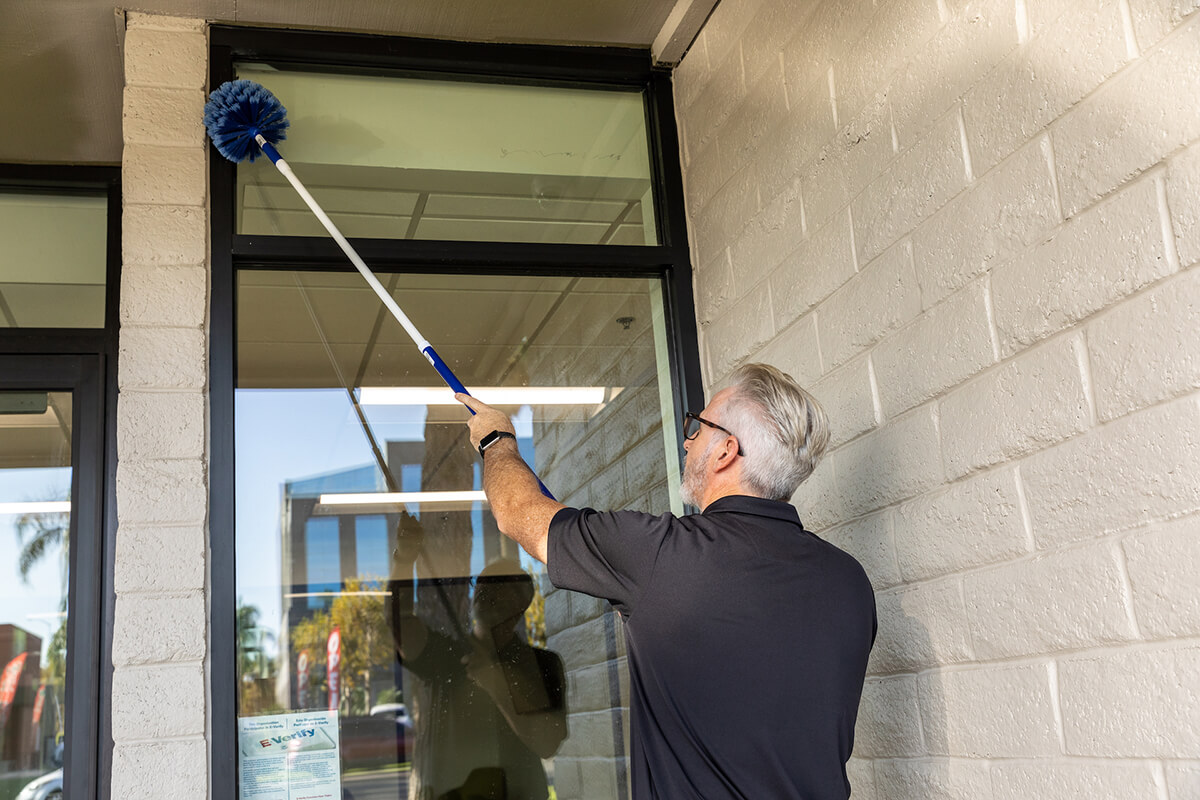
pixel 444 60
pixel 84 362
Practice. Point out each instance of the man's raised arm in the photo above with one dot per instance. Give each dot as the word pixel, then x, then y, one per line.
pixel 522 512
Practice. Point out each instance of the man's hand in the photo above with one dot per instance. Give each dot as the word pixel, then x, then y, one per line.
pixel 484 668
pixel 410 535
pixel 486 419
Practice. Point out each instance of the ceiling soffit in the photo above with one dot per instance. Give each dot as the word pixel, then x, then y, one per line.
pixel 68 53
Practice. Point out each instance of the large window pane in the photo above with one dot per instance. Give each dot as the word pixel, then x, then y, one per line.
pixel 359 511
pixel 53 260
pixel 35 511
pixel 398 158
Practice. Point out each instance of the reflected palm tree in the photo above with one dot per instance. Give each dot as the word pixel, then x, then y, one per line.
pixel 38 534
pixel 256 668
pixel 252 640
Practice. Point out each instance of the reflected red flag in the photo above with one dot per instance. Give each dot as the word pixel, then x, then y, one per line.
pixel 334 658
pixel 9 680
pixel 39 704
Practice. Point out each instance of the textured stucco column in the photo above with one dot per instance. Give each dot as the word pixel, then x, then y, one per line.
pixel 159 706
pixel 973 230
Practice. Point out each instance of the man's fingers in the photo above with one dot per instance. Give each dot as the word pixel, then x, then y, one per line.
pixel 470 402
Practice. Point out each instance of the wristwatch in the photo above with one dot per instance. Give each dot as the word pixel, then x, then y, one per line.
pixel 492 438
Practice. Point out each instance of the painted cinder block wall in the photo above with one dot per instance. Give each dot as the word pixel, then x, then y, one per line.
pixel 159 693
pixel 972 229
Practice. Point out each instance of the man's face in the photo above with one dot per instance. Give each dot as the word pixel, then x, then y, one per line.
pixel 497 602
pixel 695 474
pixel 699 451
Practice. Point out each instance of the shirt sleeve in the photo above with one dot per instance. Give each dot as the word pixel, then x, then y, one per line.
pixel 609 554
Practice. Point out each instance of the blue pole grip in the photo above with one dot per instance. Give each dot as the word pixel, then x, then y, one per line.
pixel 454 383
pixel 447 374
pixel 270 152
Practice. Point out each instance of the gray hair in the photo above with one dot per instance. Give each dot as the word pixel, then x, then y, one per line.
pixel 782 429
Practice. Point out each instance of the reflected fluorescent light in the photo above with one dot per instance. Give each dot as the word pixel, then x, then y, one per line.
pixel 44 507
pixel 294 595
pixel 492 395
pixel 387 502
pixel 379 498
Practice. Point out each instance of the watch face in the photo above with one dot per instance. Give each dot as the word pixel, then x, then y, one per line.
pixel 491 438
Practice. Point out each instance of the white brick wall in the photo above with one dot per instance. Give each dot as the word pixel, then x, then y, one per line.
pixel 160 641
pixel 972 228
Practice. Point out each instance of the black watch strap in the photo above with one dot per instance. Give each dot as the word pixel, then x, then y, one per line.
pixel 492 438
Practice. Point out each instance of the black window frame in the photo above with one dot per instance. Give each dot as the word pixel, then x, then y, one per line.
pixel 82 360
pixel 577 67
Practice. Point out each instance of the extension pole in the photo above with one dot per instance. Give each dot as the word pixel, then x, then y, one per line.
pixel 420 341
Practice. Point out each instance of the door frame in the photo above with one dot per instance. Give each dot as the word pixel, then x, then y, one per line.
pixel 84 377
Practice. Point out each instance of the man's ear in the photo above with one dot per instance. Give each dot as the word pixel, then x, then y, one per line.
pixel 726 453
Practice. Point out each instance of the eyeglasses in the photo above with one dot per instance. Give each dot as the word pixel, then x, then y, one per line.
pixel 691 428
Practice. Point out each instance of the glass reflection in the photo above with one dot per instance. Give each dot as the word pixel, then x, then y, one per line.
pixel 491 705
pixel 35 494
pixel 373 583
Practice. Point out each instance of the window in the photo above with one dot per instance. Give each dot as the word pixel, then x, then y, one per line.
pixel 371 599
pixel 59 246
pixel 408 158
pixel 53 262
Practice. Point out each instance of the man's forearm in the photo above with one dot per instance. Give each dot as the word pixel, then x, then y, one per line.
pixel 522 512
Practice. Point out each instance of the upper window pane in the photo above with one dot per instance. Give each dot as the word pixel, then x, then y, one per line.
pixel 53 260
pixel 400 158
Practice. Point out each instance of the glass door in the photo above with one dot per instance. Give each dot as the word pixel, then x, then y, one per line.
pixel 50 424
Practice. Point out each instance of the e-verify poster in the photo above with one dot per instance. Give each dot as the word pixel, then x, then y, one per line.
pixel 290 757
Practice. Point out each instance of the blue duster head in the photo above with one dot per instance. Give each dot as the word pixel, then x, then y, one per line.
pixel 236 112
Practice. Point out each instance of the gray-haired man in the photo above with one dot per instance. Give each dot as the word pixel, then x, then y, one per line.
pixel 748 636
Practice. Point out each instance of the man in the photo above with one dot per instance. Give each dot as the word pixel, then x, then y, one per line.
pixel 748 636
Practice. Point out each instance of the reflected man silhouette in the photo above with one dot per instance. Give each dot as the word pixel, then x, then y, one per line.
pixel 496 704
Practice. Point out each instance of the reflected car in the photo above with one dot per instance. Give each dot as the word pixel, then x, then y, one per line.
pixel 397 710
pixel 47 787
pixel 382 737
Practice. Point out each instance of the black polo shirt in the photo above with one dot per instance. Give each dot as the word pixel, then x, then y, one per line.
pixel 748 639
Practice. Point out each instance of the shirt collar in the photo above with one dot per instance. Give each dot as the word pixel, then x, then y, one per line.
pixel 760 506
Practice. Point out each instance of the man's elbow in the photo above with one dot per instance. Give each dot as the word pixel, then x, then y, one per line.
pixel 529 537
pixel 506 513
pixel 528 524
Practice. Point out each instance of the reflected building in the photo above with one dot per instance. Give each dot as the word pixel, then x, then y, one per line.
pixel 325 548
pixel 320 553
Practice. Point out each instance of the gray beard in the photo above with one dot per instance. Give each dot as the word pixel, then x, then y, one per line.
pixel 691 490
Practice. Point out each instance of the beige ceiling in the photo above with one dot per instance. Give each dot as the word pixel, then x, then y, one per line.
pixel 327 330
pixel 60 97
